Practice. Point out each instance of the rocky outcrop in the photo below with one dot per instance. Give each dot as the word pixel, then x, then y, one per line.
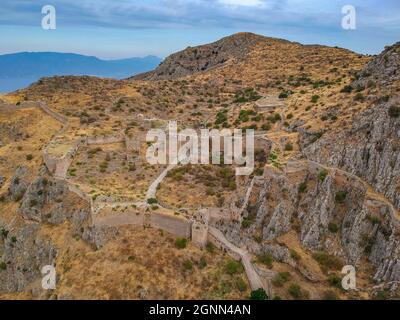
pixel 370 149
pixel 50 200
pixel 23 253
pixel 18 184
pixel 383 69
pixel 329 209
pixel 202 58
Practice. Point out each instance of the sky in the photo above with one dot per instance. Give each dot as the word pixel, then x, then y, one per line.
pixel 113 29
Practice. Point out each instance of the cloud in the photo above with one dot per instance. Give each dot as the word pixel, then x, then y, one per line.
pixel 243 3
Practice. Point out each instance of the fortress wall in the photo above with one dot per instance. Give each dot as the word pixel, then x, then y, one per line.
pixel 176 226
pixel 79 193
pixel 219 244
pixel 52 114
pixel 199 234
pixel 128 218
pixel 105 139
pixel 59 166
pixel 50 162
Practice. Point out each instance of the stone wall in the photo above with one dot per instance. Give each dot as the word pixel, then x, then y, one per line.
pixel 52 114
pixel 117 138
pixel 58 166
pixel 174 225
pixel 128 218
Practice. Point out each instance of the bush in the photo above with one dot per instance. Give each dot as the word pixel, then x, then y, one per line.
pixel 283 95
pixel 315 98
pixel 181 243
pixel 259 294
pixel 322 175
pixel 394 111
pixel 3 265
pixel 233 267
pixel 241 285
pixel 152 201
pixel 294 255
pixel 335 281
pixel 347 89
pixel 340 196
pixel 187 265
pixel 266 259
pixel 295 291
pixel 303 187
pixel 288 147
pixel 29 157
pixel 280 279
pixel 332 227
pixel 327 261
pixel 210 247
pixel 330 295
pixel 202 263
pixel 359 97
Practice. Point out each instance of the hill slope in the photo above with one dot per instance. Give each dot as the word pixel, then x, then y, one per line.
pixel 202 58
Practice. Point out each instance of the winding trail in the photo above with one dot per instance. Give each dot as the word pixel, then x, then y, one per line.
pixel 255 280
pixel 152 190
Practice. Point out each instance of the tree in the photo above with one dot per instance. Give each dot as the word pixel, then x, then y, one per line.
pixel 259 294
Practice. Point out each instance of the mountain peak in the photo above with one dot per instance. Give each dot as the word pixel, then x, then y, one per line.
pixel 204 57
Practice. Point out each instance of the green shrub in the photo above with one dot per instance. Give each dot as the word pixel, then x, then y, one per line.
pixel 266 259
pixel 341 196
pixel 210 247
pixel 303 187
pixel 4 233
pixel 322 175
pixel 33 203
pixel 394 111
pixel 187 265
pixel 294 255
pixel 330 295
pixel 202 263
pixel 180 243
pixel 359 97
pixel 241 285
pixel 233 267
pixel 288 147
pixel 259 294
pixel 152 201
pixel 295 291
pixel 347 89
pixel 335 281
pixel 315 98
pixel 326 261
pixel 29 157
pixel 3 265
pixel 382 295
pixel 280 279
pixel 332 227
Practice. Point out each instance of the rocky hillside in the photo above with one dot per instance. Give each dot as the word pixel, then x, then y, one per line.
pixel 202 58
pixel 325 191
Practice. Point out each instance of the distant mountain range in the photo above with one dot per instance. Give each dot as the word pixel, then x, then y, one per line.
pixel 18 70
